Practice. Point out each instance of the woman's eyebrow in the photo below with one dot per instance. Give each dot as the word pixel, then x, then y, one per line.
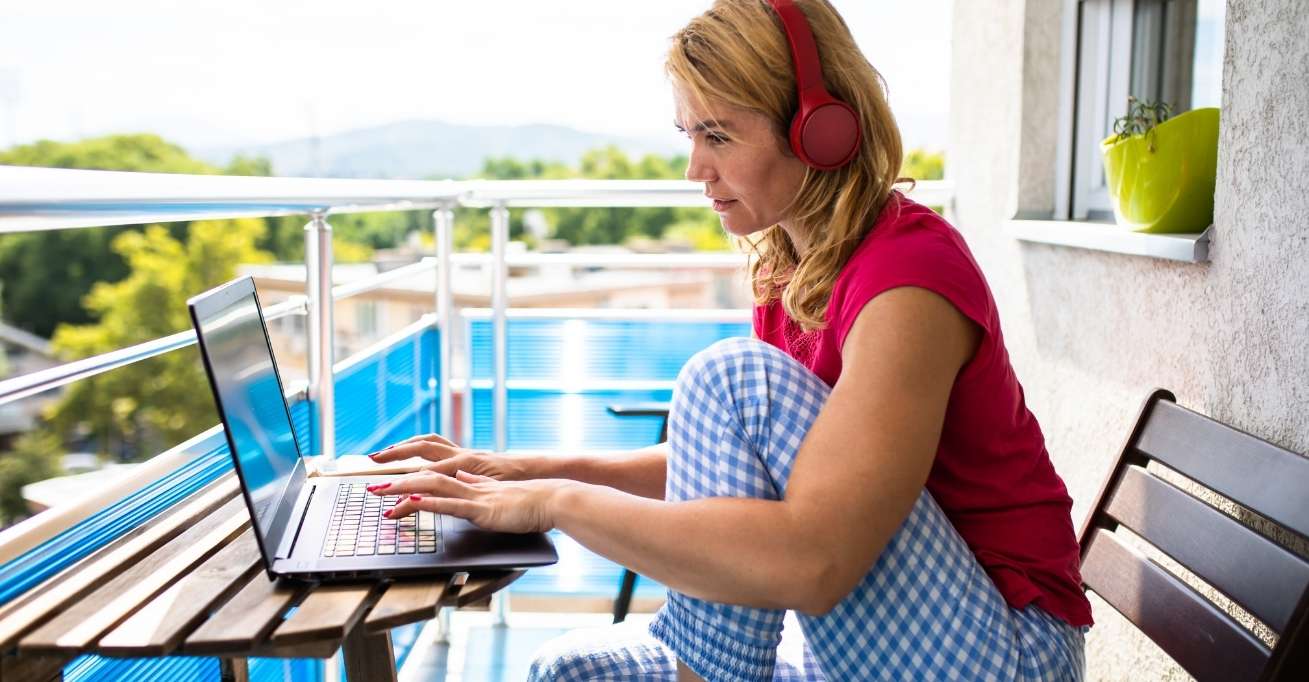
pixel 705 125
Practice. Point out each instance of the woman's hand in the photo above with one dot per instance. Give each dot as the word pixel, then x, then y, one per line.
pixel 449 458
pixel 508 506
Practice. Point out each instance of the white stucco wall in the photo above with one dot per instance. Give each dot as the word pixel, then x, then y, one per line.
pixel 1091 333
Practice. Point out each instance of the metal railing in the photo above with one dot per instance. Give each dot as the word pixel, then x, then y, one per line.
pixel 44 199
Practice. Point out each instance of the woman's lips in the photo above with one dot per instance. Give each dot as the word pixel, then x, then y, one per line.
pixel 721 205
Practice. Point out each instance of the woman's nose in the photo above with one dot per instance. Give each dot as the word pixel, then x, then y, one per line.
pixel 698 169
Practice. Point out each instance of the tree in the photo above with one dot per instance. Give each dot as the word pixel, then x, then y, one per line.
pixel 143 408
pixel 921 164
pixel 34 457
pixel 47 273
pixel 579 226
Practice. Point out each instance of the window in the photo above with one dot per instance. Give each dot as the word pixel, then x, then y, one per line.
pixel 1170 50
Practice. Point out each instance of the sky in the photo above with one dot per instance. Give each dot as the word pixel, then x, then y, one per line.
pixel 210 73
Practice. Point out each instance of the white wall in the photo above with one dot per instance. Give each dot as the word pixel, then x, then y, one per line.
pixel 1090 332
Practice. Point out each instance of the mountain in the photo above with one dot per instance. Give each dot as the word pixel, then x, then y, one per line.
pixel 428 149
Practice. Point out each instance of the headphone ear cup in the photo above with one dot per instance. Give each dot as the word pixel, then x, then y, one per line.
pixel 825 135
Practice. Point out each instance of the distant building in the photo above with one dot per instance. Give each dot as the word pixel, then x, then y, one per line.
pixel 24 353
pixel 367 317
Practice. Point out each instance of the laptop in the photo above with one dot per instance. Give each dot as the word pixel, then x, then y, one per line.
pixel 321 528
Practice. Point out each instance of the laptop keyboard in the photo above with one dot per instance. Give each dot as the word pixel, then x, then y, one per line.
pixel 358 528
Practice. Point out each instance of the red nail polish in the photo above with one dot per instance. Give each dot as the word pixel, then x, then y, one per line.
pixel 387 513
pixel 373 457
pixel 415 498
pixel 378 486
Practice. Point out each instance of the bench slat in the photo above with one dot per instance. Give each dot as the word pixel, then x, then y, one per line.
pixel 407 602
pixel 81 623
pixel 327 613
pixel 1208 643
pixel 1254 571
pixel 245 619
pixel 159 626
pixel 1250 471
pixel 95 570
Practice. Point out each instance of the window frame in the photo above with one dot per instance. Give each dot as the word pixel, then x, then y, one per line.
pixel 1100 59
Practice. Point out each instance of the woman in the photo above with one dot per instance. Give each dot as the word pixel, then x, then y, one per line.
pixel 868 462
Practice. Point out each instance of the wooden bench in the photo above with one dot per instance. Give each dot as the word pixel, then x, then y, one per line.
pixel 1257 571
pixel 190 582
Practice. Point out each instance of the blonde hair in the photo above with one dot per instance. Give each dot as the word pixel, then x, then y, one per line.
pixel 736 53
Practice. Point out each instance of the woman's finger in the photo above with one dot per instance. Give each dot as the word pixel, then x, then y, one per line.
pixel 419 448
pixel 426 483
pixel 469 477
pixel 464 509
pixel 435 438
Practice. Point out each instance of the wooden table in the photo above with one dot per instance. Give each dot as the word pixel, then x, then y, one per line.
pixel 191 582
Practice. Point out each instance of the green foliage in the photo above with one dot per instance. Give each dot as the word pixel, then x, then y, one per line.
pixel 4 358
pixel 145 407
pixel 579 226
pixel 1141 118
pixel 34 457
pixel 921 164
pixel 139 152
pixel 47 273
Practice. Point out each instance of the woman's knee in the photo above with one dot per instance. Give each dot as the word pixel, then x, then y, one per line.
pixel 726 361
pixel 618 652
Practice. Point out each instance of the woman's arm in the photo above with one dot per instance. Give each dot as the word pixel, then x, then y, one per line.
pixel 858 473
pixel 639 472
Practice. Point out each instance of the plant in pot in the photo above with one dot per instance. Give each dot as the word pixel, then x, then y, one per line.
pixel 1161 171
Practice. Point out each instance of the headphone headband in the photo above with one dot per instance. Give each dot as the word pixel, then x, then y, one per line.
pixel 825 131
pixel 804 53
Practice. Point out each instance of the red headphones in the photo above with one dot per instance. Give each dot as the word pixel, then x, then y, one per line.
pixel 825 130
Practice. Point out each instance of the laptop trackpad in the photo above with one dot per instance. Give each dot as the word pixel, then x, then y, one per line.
pixel 460 538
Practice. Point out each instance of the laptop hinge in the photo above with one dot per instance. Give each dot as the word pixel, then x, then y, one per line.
pixel 287 546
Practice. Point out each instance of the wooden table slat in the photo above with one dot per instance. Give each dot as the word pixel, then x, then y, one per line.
pixel 82 622
pixel 482 585
pixel 407 602
pixel 159 626
pixel 328 613
pixel 242 622
pixel 32 668
pixel 103 566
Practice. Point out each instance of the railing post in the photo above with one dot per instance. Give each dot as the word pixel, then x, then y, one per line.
pixel 444 220
pixel 500 277
pixel 318 285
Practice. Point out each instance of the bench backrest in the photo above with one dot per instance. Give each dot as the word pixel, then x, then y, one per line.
pixel 1255 571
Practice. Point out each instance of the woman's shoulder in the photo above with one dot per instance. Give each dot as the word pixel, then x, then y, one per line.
pixel 912 245
pixel 908 237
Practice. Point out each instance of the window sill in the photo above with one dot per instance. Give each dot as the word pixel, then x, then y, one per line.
pixel 1188 248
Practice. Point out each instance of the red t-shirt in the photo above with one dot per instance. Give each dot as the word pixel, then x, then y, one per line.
pixel 992 475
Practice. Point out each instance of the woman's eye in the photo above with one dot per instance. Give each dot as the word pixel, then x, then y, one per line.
pixel 715 139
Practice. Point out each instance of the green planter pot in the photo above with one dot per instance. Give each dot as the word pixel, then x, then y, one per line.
pixel 1172 188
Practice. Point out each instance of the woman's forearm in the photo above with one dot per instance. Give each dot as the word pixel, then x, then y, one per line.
pixel 732 550
pixel 639 472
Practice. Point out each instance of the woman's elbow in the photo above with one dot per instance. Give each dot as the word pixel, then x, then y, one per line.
pixel 826 585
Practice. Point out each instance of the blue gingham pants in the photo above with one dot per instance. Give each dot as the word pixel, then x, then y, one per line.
pixel 925 611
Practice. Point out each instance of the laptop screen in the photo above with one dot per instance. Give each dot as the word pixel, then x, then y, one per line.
pixel 249 395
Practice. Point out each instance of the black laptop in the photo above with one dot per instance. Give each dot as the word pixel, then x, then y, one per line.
pixel 321 528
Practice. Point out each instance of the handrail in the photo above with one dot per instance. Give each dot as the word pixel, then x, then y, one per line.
pixel 381 279
pixel 724 260
pixel 47 379
pixel 54 198
pixel 730 315
pixel 45 198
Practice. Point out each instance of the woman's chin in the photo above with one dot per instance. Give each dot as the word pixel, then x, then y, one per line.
pixel 738 229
